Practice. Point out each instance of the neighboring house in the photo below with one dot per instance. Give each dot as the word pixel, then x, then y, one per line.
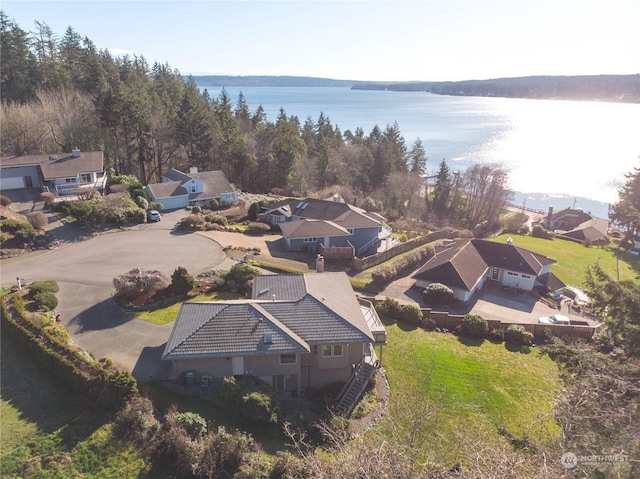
pixel 466 265
pixel 297 332
pixel 61 174
pixel 179 190
pixel 307 223
pixel 577 225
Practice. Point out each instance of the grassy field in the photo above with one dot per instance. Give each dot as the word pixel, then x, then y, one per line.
pixel 167 314
pixel 573 258
pixel 477 389
pixel 42 419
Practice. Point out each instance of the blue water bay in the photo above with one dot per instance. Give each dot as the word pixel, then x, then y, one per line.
pixel 558 153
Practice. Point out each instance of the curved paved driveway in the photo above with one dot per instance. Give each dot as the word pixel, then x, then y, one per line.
pixel 85 271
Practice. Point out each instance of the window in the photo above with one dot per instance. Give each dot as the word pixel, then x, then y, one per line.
pixel 332 350
pixel 512 274
pixel 70 180
pixel 85 177
pixel 350 230
pixel 526 276
pixel 310 240
pixel 193 188
pixel 287 359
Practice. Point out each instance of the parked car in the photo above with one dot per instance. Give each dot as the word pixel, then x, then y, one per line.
pixel 154 215
pixel 555 319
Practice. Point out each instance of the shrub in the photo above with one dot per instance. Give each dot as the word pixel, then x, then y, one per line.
pixel 191 222
pixel 81 210
pixel 142 202
pixel 438 293
pixel 181 281
pixel 26 233
pixel 254 210
pixel 193 423
pixel 217 219
pixel 259 407
pixel 196 210
pixel 138 281
pixel 474 326
pixel 48 198
pixel 428 324
pixel 137 422
pixel 38 219
pixel 389 309
pixel 258 228
pixel 539 232
pixel 496 335
pixel 401 267
pixel 214 204
pixel 138 193
pixel 5 200
pixel 49 286
pixel 154 205
pixel 45 300
pixel 518 335
pixel 410 314
pixel 515 222
pixel 11 225
pixel 85 193
pixel 137 215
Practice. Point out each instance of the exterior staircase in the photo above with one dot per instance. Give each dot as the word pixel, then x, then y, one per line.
pixel 356 385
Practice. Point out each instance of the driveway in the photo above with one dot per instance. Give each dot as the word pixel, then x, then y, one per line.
pixel 85 271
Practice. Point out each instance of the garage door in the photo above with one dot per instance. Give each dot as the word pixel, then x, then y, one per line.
pixel 11 183
pixel 174 202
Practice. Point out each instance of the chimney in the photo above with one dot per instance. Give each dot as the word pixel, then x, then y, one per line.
pixel 549 217
pixel 193 169
pixel 75 152
pixel 320 264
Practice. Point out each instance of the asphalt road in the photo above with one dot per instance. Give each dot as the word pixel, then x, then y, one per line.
pixel 85 271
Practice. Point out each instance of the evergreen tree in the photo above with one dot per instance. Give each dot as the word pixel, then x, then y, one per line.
pixel 625 213
pixel 418 158
pixel 18 68
pixel 442 191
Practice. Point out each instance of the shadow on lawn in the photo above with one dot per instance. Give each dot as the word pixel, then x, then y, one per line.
pixel 40 399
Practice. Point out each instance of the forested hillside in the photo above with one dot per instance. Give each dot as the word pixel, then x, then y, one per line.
pixel 613 88
pixel 60 92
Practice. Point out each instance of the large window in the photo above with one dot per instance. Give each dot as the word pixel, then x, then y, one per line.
pixel 85 178
pixel 287 359
pixel 332 350
pixel 310 240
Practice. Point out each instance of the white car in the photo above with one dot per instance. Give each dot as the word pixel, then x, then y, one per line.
pixel 154 215
pixel 555 319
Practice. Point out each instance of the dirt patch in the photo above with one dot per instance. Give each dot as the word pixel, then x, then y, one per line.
pixel 167 295
pixel 362 425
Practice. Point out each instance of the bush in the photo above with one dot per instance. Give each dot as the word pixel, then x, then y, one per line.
pixel 389 309
pixel 410 314
pixel 48 198
pixel 193 423
pixel 438 293
pixel 45 301
pixel 137 422
pixel 181 281
pixel 137 215
pixel 85 193
pixel 428 324
pixel 38 219
pixel 142 202
pixel 81 210
pixel 254 210
pixel 138 281
pixel 401 267
pixel 259 407
pixel 258 228
pixel 138 193
pixel 217 219
pixel 518 335
pixel 50 286
pixel 5 200
pixel 496 335
pixel 191 222
pixel 11 225
pixel 539 232
pixel 196 210
pixel 474 326
pixel 214 204
pixel 154 205
pixel 26 233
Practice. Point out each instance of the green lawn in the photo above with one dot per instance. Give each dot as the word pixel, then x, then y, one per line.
pixel 573 258
pixel 476 389
pixel 167 314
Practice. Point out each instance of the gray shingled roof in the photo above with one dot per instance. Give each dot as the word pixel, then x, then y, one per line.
pixel 308 309
pixel 229 329
pixel 311 229
pixel 65 166
pixel 167 189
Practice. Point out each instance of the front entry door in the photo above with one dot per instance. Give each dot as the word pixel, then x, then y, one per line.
pixel 237 365
pixel 28 182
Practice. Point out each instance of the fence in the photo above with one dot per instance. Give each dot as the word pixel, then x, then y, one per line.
pixel 360 264
pixel 448 321
pixel 337 252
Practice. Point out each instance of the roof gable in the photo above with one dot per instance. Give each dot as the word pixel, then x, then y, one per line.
pixel 311 229
pixel 64 165
pixel 167 189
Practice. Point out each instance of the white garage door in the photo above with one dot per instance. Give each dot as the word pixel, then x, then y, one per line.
pixel 174 203
pixel 11 183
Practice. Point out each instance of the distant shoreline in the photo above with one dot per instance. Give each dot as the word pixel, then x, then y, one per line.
pixel 607 88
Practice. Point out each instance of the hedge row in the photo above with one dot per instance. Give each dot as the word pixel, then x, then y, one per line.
pixel 401 267
pixel 97 382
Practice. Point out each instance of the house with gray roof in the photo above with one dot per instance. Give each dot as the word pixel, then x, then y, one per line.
pixel 179 190
pixel 577 225
pixel 466 265
pixel 61 174
pixel 297 332
pixel 307 223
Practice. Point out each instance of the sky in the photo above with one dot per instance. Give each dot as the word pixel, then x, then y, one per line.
pixel 428 40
